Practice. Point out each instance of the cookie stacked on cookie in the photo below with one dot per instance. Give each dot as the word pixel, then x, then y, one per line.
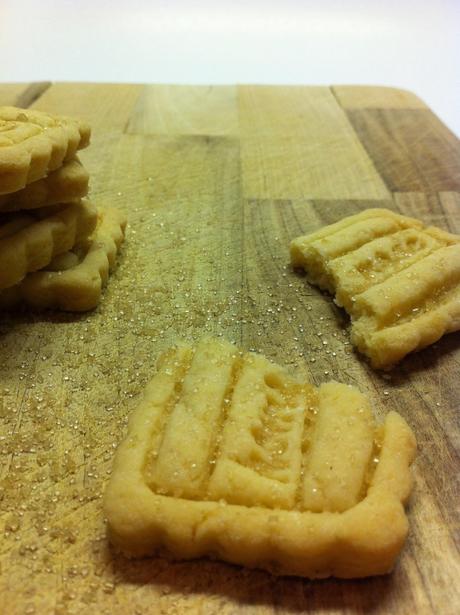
pixel 56 247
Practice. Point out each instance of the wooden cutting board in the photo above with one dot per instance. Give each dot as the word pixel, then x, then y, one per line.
pixel 216 182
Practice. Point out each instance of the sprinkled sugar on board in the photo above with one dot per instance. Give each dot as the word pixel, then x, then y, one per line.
pixel 215 183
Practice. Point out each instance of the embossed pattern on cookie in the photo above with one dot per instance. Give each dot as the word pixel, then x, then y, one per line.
pixel 73 281
pixel 30 241
pixel 228 455
pixel 398 280
pixel 33 143
pixel 66 184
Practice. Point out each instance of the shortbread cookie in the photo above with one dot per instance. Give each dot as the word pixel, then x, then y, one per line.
pixel 33 143
pixel 228 455
pixel 66 184
pixel 29 241
pixel 398 280
pixel 73 280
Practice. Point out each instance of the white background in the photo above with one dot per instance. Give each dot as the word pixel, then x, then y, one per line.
pixel 411 44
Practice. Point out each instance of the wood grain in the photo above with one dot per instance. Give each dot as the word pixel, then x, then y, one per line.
pixel 186 110
pixel 411 149
pixel 294 140
pixel 371 97
pixel 216 182
pixel 107 107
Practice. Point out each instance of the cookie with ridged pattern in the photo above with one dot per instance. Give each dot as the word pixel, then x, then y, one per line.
pixel 230 456
pixel 398 279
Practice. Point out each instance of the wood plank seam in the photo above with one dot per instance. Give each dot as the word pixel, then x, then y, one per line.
pixel 33 93
pixel 201 258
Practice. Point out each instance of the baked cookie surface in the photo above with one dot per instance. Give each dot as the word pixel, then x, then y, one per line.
pixel 29 241
pixel 33 143
pixel 230 456
pixel 73 280
pixel 66 184
pixel 398 280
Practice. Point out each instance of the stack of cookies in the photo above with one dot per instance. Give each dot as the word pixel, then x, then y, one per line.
pixel 56 247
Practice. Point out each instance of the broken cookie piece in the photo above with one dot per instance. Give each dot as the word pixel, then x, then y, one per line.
pixel 230 456
pixel 73 280
pixel 398 280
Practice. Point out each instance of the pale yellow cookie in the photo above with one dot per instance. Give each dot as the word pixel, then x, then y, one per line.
pixel 29 242
pixel 66 184
pixel 73 280
pixel 228 455
pixel 33 143
pixel 398 280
